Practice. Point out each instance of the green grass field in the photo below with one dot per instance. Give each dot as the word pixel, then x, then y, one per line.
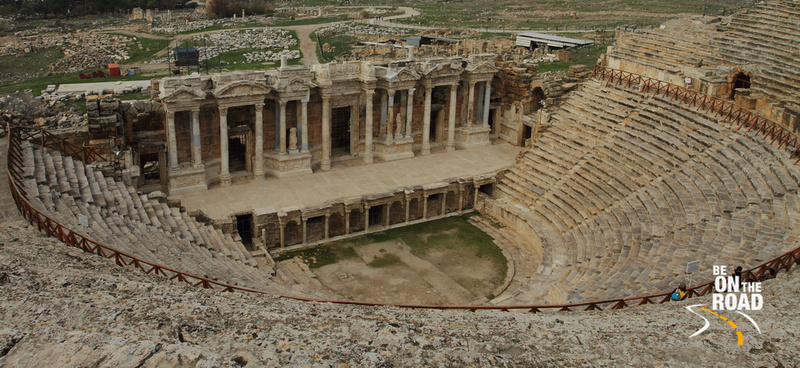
pixel 34 62
pixel 341 44
pixel 561 14
pixel 584 55
pixel 152 44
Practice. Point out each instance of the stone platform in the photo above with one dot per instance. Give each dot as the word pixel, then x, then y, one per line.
pixel 320 187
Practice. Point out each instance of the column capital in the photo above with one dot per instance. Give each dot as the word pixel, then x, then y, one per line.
pixel 260 105
pixel 304 101
pixel 196 110
pixel 369 91
pixel 411 90
pixel 223 110
pixel 390 92
pixel 282 102
pixel 170 114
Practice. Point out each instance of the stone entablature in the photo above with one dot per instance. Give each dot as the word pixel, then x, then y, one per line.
pixel 282 121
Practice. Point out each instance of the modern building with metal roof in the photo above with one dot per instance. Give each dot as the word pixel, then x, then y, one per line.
pixel 533 40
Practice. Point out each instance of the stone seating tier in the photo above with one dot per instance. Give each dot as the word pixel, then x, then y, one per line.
pixel 663 186
pixel 114 214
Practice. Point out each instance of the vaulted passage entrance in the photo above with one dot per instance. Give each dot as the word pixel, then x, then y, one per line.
pixel 740 81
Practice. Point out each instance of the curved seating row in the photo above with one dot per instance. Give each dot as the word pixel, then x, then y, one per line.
pixel 625 189
pixel 112 213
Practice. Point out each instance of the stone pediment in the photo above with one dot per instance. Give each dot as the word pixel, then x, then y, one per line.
pixel 436 68
pixel 401 75
pixel 242 88
pixel 296 84
pixel 184 94
pixel 481 68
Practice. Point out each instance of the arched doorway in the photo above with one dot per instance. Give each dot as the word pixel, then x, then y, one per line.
pixel 739 81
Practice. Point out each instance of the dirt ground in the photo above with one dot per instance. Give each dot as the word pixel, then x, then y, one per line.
pixel 391 272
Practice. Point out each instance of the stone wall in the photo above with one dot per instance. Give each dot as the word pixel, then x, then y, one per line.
pixel 347 217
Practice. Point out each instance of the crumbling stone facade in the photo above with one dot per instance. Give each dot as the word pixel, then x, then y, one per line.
pixel 294 120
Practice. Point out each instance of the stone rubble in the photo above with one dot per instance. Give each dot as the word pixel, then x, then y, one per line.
pixel 357 28
pixel 20 108
pixel 262 56
pixel 82 50
pixel 261 38
pixel 177 26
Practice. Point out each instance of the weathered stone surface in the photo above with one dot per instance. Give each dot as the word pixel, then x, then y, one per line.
pixel 77 309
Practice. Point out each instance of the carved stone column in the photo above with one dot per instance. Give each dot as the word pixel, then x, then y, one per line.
pixel 390 118
pixel 464 103
pixel 426 121
pixel 282 118
pixel 408 207
pixel 409 111
pixel 346 222
pixel 197 153
pixel 327 225
pixel 326 132
pixel 460 199
pixel 305 229
pixel 258 170
pixel 368 127
pixel 471 104
pixel 486 100
pixel 304 125
pixel 451 122
pixel 366 219
pixel 282 227
pixel 173 143
pixel 424 206
pixel 384 107
pixel 224 171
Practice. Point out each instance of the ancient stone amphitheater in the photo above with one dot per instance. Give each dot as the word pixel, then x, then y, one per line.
pixel 680 148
